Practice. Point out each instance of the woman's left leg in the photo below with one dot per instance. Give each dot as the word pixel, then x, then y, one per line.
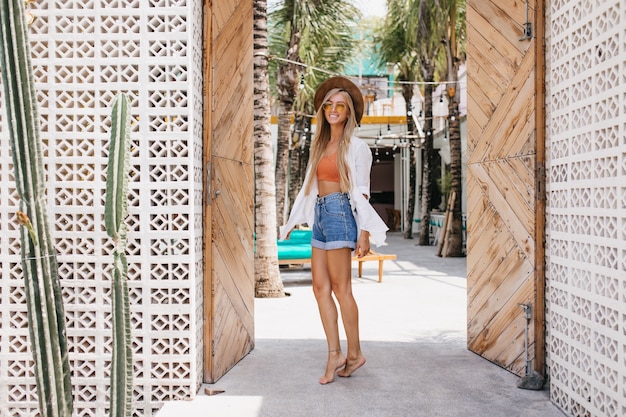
pixel 340 272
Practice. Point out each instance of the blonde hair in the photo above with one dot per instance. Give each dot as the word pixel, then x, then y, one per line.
pixel 322 137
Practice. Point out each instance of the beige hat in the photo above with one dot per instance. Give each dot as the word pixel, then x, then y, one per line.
pixel 346 85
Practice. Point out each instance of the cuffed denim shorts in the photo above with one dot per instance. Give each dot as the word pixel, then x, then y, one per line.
pixel 334 226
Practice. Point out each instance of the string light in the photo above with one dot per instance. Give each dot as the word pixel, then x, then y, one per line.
pixel 289 61
pixel 421 117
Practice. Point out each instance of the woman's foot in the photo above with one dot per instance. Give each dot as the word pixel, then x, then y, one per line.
pixel 352 365
pixel 335 361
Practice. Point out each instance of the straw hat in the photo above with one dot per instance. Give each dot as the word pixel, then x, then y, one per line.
pixel 343 84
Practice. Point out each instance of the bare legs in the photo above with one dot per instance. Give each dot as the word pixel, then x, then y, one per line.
pixel 332 274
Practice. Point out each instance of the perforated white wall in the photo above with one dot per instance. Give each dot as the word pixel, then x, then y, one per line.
pixel 84 52
pixel 586 205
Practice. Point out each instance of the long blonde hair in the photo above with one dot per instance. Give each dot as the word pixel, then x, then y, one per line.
pixel 322 137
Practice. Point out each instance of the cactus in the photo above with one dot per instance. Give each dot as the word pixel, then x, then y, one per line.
pixel 114 214
pixel 41 281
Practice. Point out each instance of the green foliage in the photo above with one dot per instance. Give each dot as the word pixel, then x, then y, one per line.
pixel 115 211
pixel 41 281
pixel 392 38
pixel 327 41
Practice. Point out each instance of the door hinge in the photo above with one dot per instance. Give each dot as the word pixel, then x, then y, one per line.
pixel 207 185
pixel 541 182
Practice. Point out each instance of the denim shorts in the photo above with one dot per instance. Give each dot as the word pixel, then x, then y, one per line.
pixel 334 226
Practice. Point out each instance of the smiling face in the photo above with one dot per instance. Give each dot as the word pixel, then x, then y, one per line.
pixel 336 109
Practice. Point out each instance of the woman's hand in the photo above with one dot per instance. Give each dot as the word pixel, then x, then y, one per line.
pixel 363 244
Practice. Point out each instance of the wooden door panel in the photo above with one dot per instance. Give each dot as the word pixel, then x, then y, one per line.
pixel 500 67
pixel 503 213
pixel 516 219
pixel 229 197
pixel 500 22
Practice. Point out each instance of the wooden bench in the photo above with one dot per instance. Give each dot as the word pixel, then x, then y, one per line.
pixel 374 256
pixel 371 256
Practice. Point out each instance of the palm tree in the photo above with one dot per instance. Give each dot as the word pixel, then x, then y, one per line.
pixel 307 34
pixel 299 152
pixel 268 282
pixel 454 42
pixel 286 86
pixel 397 46
pixel 425 22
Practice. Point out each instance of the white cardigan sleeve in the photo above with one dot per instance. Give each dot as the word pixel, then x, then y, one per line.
pixel 362 167
pixel 303 209
pixel 360 161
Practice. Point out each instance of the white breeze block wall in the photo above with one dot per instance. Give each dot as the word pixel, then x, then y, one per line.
pixel 84 52
pixel 586 205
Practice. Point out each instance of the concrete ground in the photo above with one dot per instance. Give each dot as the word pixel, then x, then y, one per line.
pixel 413 332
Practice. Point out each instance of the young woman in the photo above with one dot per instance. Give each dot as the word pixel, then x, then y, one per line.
pixel 334 203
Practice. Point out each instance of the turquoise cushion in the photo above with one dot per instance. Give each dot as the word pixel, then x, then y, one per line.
pixel 294 251
pixel 298 246
pixel 299 236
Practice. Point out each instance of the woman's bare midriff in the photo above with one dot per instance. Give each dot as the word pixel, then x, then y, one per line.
pixel 327 187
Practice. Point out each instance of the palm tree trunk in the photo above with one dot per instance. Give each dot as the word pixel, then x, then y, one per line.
pixel 295 157
pixel 287 88
pixel 306 149
pixel 266 272
pixel 455 236
pixel 407 93
pixel 427 153
pixel 282 159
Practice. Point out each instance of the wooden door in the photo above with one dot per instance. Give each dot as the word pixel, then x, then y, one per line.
pixel 229 193
pixel 505 177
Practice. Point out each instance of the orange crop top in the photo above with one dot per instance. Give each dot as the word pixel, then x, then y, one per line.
pixel 327 169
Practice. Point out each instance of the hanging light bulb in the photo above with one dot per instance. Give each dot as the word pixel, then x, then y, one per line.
pixel 301 85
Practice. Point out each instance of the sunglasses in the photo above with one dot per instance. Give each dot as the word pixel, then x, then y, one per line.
pixel 340 107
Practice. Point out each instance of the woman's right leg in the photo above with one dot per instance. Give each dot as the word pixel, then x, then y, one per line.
pixel 328 313
pixel 340 273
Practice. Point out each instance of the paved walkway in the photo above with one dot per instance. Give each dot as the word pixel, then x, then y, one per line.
pixel 413 331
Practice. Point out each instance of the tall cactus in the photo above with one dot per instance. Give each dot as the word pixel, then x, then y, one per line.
pixel 115 210
pixel 43 292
